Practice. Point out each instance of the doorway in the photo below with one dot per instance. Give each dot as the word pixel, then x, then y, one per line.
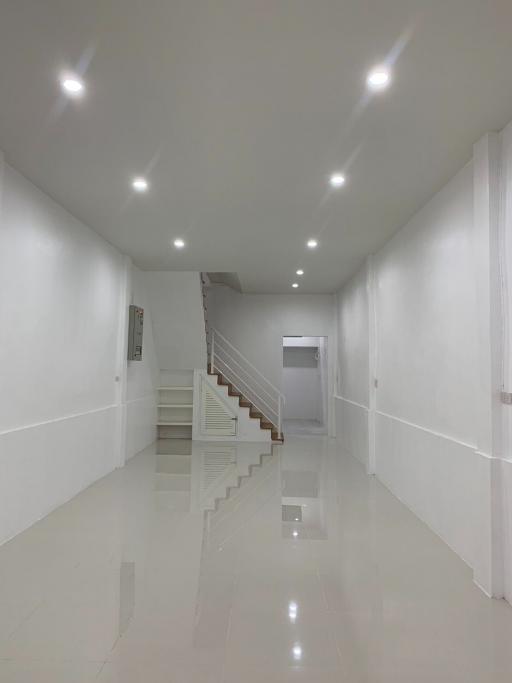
pixel 305 385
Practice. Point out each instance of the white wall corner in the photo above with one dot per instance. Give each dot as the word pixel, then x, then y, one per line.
pixel 335 367
pixel 121 378
pixel 372 363
pixel 505 277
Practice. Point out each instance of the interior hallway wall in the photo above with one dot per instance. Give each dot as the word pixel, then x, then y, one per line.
pixel 257 323
pixel 302 380
pixel 64 293
pixel 426 365
pixel 142 377
pixel 424 351
pixel 176 303
pixel 504 249
pixel 352 386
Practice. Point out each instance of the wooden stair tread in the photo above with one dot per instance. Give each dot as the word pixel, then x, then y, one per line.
pixel 245 403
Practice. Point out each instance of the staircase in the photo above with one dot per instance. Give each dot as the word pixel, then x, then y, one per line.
pixel 243 380
pixel 243 402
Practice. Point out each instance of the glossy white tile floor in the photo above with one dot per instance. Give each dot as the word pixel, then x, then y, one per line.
pixel 303 428
pixel 133 582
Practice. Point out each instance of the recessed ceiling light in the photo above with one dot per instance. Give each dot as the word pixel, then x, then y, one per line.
pixel 337 180
pixel 179 243
pixel 140 184
pixel 72 86
pixel 295 285
pixel 300 271
pixel 312 244
pixel 378 78
pixel 295 534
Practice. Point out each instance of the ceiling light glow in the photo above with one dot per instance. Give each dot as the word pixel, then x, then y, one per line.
pixel 337 180
pixel 378 78
pixel 295 285
pixel 179 243
pixel 140 184
pixel 297 653
pixel 72 86
pixel 295 534
pixel 312 244
pixel 300 271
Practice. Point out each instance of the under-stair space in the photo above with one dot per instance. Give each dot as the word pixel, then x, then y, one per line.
pixel 243 402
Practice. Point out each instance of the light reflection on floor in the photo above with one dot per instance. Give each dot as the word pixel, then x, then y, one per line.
pixel 220 563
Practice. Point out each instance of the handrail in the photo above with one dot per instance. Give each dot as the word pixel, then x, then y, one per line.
pixel 230 356
pixel 219 346
pixel 218 334
pixel 273 410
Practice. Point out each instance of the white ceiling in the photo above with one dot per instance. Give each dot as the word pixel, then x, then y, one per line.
pixel 237 111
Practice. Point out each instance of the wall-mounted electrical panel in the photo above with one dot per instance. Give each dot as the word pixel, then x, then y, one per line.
pixel 135 325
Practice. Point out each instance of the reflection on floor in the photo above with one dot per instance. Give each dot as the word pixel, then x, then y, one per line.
pixel 303 427
pixel 215 563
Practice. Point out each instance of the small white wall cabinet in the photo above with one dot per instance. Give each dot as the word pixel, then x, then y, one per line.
pixel 175 411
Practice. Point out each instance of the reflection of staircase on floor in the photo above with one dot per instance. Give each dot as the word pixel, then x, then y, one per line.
pixel 173 470
pixel 223 526
pixel 219 468
pixel 232 511
pixel 205 474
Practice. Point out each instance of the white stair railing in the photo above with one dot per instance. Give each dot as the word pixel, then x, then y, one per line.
pixel 238 370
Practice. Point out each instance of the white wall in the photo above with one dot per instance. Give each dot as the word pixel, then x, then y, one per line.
pixel 426 304
pixel 352 400
pixel 63 295
pixel 423 319
pixel 176 304
pixel 426 365
pixel 142 377
pixel 302 378
pixel 303 393
pixel 257 323
pixel 504 249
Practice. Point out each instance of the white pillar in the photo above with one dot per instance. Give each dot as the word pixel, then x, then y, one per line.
pixel 372 364
pixel 121 377
pixel 505 254
pixel 488 556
